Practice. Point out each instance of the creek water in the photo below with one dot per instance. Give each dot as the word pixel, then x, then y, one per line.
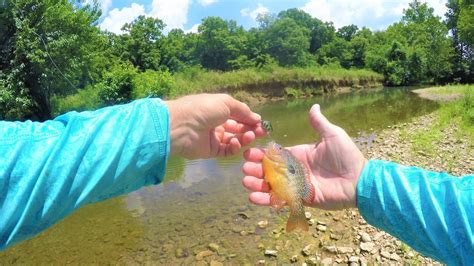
pixel 203 202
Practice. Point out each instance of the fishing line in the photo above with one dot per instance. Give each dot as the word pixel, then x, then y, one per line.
pixel 46 51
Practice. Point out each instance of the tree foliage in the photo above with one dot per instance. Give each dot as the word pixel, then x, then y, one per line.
pixel 53 48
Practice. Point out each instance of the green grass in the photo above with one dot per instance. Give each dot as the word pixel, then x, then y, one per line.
pixel 458 113
pixel 243 84
pixel 196 80
pixel 449 89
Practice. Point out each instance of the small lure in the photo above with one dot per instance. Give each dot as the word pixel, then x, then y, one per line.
pixel 267 126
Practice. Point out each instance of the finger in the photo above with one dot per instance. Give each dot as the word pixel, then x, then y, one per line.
pixel 260 198
pixel 319 122
pixel 233 147
pixel 255 184
pixel 241 112
pixel 254 154
pixel 259 131
pixel 253 169
pixel 247 138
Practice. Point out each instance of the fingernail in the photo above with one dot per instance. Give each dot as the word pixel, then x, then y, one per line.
pixel 315 108
pixel 258 116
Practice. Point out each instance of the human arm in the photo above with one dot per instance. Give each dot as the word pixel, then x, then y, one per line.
pixel 397 201
pixel 431 212
pixel 50 169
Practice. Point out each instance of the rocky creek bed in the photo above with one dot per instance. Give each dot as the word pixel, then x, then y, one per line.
pixel 344 237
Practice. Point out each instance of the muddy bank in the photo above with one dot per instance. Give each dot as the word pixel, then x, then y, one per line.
pixel 257 93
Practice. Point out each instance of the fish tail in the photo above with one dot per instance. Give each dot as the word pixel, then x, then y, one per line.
pixel 297 220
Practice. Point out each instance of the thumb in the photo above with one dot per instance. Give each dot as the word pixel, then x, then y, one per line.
pixel 240 112
pixel 319 122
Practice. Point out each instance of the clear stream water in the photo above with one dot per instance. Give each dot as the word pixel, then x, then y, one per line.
pixel 203 201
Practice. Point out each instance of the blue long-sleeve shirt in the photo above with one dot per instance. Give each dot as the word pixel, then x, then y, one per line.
pixel 431 212
pixel 50 169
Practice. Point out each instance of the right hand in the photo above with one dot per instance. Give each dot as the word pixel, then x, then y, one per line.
pixel 335 165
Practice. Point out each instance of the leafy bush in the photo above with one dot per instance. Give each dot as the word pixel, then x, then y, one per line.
pixel 117 84
pixel 152 84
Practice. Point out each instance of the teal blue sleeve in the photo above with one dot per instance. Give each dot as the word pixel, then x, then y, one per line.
pixel 50 169
pixel 431 212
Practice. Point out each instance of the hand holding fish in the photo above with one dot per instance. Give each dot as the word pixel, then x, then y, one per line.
pixel 211 125
pixel 334 165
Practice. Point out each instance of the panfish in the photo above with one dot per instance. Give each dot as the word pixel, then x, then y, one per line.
pixel 289 183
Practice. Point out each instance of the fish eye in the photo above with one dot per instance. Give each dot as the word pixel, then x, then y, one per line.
pixel 291 169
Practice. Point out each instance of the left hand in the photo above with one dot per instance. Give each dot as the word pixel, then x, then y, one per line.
pixel 211 125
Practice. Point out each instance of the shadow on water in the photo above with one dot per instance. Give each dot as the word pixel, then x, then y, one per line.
pixel 202 201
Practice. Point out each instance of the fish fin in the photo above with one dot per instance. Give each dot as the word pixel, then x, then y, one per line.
pixel 276 202
pixel 297 222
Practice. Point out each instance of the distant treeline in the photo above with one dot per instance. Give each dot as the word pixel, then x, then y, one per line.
pixel 53 48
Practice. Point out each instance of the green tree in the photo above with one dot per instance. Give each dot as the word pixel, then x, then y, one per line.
pixel 338 51
pixel 48 47
pixel 288 42
pixel 347 32
pixel 220 42
pixel 141 42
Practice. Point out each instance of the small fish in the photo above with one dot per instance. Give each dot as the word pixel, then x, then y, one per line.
pixel 267 126
pixel 289 182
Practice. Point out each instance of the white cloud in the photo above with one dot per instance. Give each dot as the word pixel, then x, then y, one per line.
pixel 246 12
pixel 207 2
pixel 375 14
pixel 116 18
pixel 193 29
pixel 173 13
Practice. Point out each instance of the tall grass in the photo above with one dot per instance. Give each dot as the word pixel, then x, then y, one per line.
pixel 195 80
pixel 245 83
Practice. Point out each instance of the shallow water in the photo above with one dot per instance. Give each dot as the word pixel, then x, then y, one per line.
pixel 203 201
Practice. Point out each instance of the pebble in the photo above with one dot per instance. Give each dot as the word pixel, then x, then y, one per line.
pixel 385 254
pixel 326 261
pixel 395 257
pixel 214 247
pixel 294 258
pixel 321 228
pixel 322 223
pixel 307 215
pixel 368 246
pixel 365 237
pixel 345 250
pixel 180 253
pixel 311 221
pixel 263 224
pixel 201 255
pixel 261 262
pixel 307 250
pixel 331 249
pixel 271 252
pixel 353 259
pixel 216 263
pixel 312 261
pixel 335 237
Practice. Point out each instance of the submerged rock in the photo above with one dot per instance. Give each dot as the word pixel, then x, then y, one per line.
pixel 214 247
pixel 271 252
pixel 201 255
pixel 263 224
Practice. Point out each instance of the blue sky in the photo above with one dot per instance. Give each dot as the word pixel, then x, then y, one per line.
pixel 187 14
